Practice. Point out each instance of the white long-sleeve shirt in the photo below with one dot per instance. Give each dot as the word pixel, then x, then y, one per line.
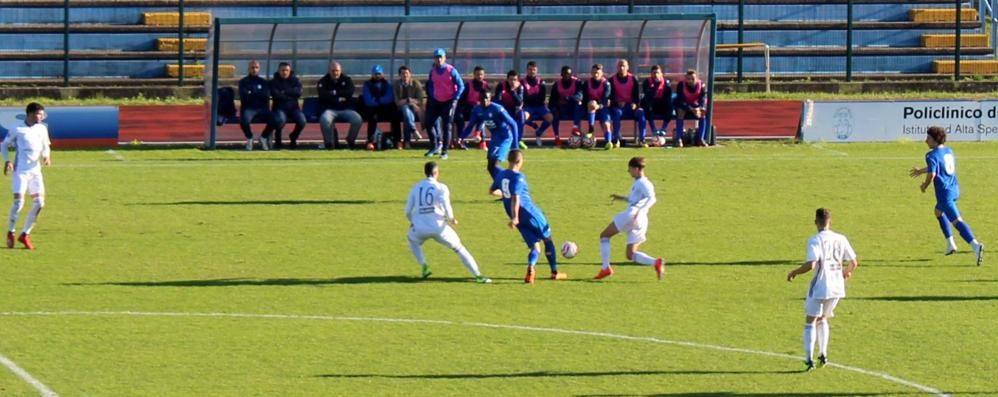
pixel 428 207
pixel 31 144
pixel 642 196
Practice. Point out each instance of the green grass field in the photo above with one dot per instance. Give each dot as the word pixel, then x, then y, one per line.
pixel 180 272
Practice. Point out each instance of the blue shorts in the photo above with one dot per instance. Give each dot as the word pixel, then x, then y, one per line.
pixel 536 112
pixel 533 231
pixel 499 149
pixel 948 207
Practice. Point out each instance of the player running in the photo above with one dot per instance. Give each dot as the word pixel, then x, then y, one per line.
pixel 940 170
pixel 633 221
pixel 827 252
pixel 500 125
pixel 525 216
pixel 430 217
pixel 30 140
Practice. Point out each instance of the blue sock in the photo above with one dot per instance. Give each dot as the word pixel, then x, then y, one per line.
pixel 703 130
pixel 493 171
pixel 639 115
pixel 965 232
pixel 551 255
pixel 592 121
pixel 944 225
pixel 544 127
pixel 533 256
pixel 679 129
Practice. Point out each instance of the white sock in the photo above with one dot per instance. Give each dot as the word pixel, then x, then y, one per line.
pixel 808 341
pixel 951 242
pixel 417 251
pixel 642 258
pixel 15 208
pixel 823 337
pixel 36 208
pixel 604 252
pixel 975 244
pixel 468 261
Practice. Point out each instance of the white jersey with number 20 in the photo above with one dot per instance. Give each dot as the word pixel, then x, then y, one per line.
pixel 831 251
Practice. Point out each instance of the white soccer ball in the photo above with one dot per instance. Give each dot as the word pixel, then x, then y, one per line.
pixel 569 249
pixel 575 141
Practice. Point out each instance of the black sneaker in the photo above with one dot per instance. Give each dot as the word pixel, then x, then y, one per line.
pixel 293 145
pixel 822 361
pixel 808 366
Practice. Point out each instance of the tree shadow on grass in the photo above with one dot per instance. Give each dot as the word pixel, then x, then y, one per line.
pixel 927 298
pixel 547 374
pixel 242 282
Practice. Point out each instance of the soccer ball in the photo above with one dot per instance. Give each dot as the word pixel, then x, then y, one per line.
pixel 575 141
pixel 588 141
pixel 569 249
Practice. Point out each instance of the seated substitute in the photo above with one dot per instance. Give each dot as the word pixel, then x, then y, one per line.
pixel 624 102
pixel 254 103
pixel 691 103
pixel 285 91
pixel 566 101
pixel 657 100
pixel 534 108
pixel 336 105
pixel 410 100
pixel 379 104
pixel 596 96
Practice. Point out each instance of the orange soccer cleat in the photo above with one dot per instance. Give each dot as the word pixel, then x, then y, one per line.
pixel 659 268
pixel 604 273
pixel 26 240
pixel 10 239
pixel 529 279
pixel 559 276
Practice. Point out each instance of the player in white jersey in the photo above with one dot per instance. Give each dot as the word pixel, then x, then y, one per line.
pixel 633 221
pixel 834 261
pixel 430 217
pixel 31 142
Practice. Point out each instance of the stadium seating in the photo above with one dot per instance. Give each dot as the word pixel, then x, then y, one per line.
pixel 138 38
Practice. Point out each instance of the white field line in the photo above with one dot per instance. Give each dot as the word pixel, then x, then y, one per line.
pixel 115 155
pixel 26 377
pixel 875 374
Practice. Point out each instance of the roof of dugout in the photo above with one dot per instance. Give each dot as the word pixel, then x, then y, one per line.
pixel 498 43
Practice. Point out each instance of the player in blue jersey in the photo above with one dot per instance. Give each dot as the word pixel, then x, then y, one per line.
pixel 500 124
pixel 525 216
pixel 940 170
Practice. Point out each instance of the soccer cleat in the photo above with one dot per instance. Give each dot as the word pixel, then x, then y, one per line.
pixel 443 156
pixel 950 250
pixel 264 143
pixel 483 280
pixel 822 361
pixel 523 146
pixel 435 150
pixel 659 268
pixel 979 250
pixel 559 276
pixel 26 240
pixel 249 145
pixel 483 146
pixel 529 279
pixel 808 366
pixel 426 272
pixel 538 142
pixel 609 145
pixel 293 145
pixel 617 145
pixel 10 239
pixel 604 273
pixel 557 142
pixel 461 145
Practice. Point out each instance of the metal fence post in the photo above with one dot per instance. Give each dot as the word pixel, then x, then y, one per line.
pixel 741 38
pixel 180 43
pixel 956 56
pixel 849 41
pixel 65 43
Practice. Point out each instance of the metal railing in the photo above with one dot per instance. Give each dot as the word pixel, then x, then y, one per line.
pixel 765 57
pixel 986 11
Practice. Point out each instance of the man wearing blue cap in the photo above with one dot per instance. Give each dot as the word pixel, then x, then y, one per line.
pixel 443 89
pixel 379 104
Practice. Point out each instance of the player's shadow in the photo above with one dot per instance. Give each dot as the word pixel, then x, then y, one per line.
pixel 771 262
pixel 926 298
pixel 546 374
pixel 281 282
pixel 773 394
pixel 276 202
pixel 976 281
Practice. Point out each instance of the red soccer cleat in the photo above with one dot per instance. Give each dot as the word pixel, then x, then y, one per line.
pixel 529 279
pixel 660 268
pixel 557 141
pixel 10 239
pixel 559 276
pixel 26 240
pixel 604 273
pixel 483 146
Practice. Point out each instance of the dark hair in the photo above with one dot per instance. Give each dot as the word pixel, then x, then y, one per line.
pixel 691 72
pixel 656 67
pixel 403 67
pixel 822 215
pixel 637 162
pixel 33 108
pixel 531 63
pixel 429 167
pixel 937 133
pixel 512 73
pixel 478 67
pixel 566 68
pixel 598 66
pixel 283 64
pixel 515 156
pixel 485 94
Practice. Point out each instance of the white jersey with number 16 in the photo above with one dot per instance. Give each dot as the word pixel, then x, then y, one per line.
pixel 428 207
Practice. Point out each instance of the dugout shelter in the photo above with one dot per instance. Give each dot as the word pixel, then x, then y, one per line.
pixel 678 42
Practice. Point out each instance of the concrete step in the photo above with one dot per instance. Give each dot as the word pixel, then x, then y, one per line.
pixel 941 14
pixel 197 70
pixel 967 66
pixel 949 40
pixel 173 18
pixel 173 44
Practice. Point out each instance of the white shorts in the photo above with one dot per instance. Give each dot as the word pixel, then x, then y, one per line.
pixel 820 307
pixel 636 229
pixel 446 237
pixel 28 181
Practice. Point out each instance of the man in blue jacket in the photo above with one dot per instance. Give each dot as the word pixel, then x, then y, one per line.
pixel 254 99
pixel 379 104
pixel 285 90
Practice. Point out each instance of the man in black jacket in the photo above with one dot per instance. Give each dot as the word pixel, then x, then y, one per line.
pixel 336 104
pixel 285 90
pixel 254 98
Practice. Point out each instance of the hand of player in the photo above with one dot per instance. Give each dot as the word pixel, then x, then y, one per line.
pixel 914 172
pixel 453 221
pixel 924 186
pixel 790 276
pixel 47 161
pixel 846 274
pixel 634 106
pixel 8 167
pixel 513 222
